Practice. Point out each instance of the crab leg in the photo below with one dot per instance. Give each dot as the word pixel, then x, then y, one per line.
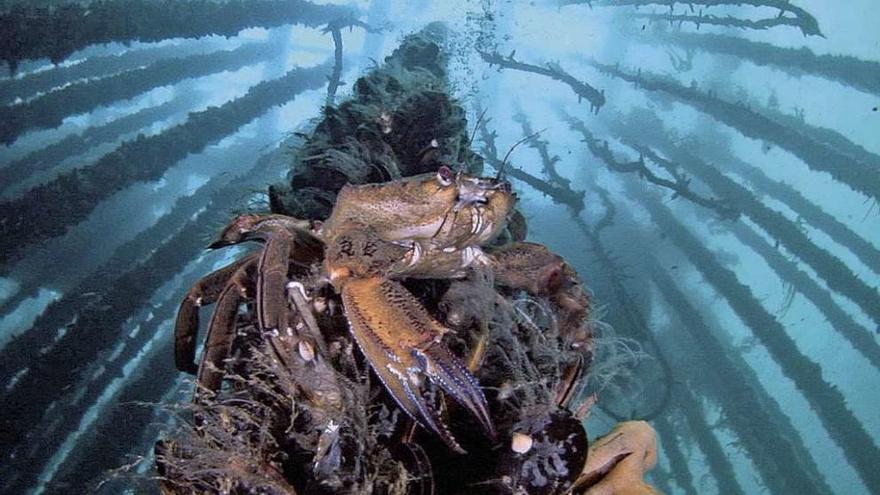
pixel 272 313
pixel 221 330
pixel 403 345
pixel 286 239
pixel 186 327
pixel 538 271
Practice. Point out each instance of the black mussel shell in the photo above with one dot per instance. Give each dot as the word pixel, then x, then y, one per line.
pixel 556 456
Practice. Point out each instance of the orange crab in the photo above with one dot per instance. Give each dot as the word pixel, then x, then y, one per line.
pixel 431 226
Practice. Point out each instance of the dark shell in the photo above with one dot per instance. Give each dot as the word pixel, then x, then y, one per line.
pixel 556 458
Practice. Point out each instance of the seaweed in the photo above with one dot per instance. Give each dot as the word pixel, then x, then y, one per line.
pixel 49 110
pixel 122 286
pixel 743 400
pixel 820 155
pixel 829 267
pixel 553 70
pixel 30 32
pixel 825 399
pixel 848 70
pixel 327 426
pixel 29 85
pixel 812 213
pixel 542 147
pixel 798 17
pixel 680 184
pixel 73 195
pixel 560 194
pixel 50 156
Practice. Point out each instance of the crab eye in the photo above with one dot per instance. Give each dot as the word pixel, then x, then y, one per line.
pixel 445 176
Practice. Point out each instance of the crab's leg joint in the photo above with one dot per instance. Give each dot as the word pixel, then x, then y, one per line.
pixel 205 292
pixel 221 330
pixel 272 313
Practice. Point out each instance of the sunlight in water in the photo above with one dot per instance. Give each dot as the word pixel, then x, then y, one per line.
pixel 697 182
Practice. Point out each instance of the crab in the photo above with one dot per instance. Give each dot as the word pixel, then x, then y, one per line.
pixel 442 225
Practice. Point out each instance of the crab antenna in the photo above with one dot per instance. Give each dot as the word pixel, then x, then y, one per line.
pixel 521 141
pixel 477 126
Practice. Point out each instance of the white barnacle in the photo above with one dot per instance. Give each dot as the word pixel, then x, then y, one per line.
pixel 299 287
pixel 335 347
pixel 415 377
pixel 306 351
pixel 521 443
pixel 319 304
pixel 416 254
pixel 505 391
pixel 385 122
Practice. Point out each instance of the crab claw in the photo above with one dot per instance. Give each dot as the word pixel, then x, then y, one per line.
pixel 402 343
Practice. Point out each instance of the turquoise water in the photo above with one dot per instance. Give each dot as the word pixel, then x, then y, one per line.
pixel 736 165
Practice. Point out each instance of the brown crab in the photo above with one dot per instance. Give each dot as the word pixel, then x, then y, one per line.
pixel 429 226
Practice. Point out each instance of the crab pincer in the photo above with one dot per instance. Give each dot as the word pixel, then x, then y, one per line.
pixel 403 345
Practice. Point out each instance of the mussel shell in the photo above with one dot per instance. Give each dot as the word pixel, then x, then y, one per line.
pixel 494 468
pixel 557 453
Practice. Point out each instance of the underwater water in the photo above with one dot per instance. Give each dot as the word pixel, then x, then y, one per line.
pixel 711 169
